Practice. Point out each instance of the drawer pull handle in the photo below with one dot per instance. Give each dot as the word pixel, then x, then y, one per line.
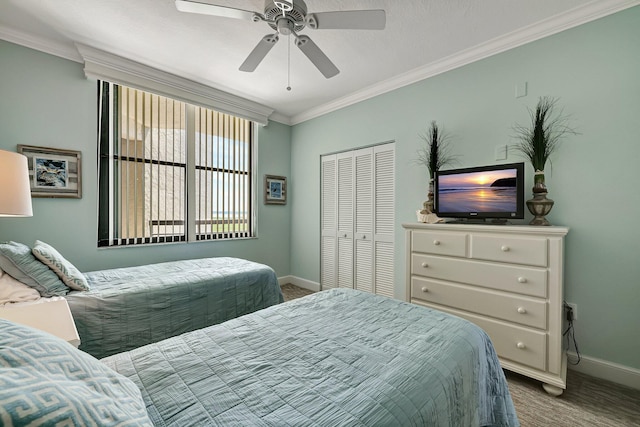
pixel 425 265
pixel 436 242
pixel 364 236
pixel 521 345
pixel 505 248
pixel 522 310
pixel 345 235
pixel 425 289
pixel 522 279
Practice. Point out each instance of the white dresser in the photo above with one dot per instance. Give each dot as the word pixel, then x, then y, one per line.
pixel 506 279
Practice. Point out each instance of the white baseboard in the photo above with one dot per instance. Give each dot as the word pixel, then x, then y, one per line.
pixel 609 371
pixel 300 282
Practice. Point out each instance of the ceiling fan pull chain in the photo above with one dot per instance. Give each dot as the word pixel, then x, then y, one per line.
pixel 289 63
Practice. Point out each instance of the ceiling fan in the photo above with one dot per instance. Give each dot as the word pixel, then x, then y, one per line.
pixel 288 18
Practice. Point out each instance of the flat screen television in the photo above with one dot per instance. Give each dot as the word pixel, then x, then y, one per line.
pixel 493 192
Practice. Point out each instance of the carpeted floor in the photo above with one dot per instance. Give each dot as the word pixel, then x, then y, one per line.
pixel 292 292
pixel 587 402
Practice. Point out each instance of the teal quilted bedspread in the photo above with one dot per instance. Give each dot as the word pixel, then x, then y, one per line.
pixel 335 358
pixel 130 307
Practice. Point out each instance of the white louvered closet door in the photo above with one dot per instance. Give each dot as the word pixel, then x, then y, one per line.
pixel 358 200
pixel 384 207
pixel 363 236
pixel 329 227
pixel 345 220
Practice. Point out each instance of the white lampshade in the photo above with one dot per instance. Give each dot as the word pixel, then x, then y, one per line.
pixel 15 191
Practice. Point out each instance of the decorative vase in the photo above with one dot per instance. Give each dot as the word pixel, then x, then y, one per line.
pixel 428 205
pixel 426 213
pixel 540 205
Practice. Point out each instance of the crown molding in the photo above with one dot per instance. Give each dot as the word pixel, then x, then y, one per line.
pixel 38 43
pixel 280 118
pixel 570 19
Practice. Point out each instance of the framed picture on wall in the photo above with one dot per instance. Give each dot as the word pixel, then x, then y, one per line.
pixel 275 190
pixel 53 172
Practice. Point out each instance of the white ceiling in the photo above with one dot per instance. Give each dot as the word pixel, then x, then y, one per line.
pixel 421 38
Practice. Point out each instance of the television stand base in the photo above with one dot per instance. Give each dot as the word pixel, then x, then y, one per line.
pixel 480 221
pixel 499 221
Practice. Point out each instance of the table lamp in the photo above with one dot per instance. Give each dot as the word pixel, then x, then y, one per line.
pixel 15 191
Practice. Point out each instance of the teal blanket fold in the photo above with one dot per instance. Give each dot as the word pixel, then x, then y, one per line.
pixel 130 307
pixel 335 358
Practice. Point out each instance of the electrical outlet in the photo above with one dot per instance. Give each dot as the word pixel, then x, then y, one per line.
pixel 574 309
pixel 521 89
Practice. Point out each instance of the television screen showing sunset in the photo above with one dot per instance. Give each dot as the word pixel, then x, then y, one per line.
pixel 487 191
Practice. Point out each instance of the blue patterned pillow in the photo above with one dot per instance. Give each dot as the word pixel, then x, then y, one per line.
pixel 46 381
pixel 17 260
pixel 70 275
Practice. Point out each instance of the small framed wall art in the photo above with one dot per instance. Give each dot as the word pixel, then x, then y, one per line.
pixel 275 190
pixel 53 172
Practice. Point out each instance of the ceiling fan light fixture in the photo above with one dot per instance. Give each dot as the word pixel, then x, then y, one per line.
pixel 285 26
pixel 295 14
pixel 288 18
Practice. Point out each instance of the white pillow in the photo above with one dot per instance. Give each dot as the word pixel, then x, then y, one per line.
pixel 13 291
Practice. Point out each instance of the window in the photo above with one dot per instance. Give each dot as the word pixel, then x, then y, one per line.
pixel 171 171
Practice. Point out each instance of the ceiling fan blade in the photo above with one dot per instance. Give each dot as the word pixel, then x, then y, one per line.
pixel 211 9
pixel 315 55
pixel 259 52
pixel 348 20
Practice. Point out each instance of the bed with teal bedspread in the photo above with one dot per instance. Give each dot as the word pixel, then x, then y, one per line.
pixel 130 307
pixel 339 357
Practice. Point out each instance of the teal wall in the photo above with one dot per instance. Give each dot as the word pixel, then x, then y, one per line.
pixel 595 71
pixel 47 101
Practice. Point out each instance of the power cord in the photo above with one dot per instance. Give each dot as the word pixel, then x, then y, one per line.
pixel 569 333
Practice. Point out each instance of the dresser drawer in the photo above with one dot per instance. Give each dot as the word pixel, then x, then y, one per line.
pixel 433 242
pixel 519 279
pixel 513 308
pixel 515 343
pixel 520 250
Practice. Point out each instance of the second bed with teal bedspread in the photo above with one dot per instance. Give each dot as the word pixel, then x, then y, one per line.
pixel 335 358
pixel 130 307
